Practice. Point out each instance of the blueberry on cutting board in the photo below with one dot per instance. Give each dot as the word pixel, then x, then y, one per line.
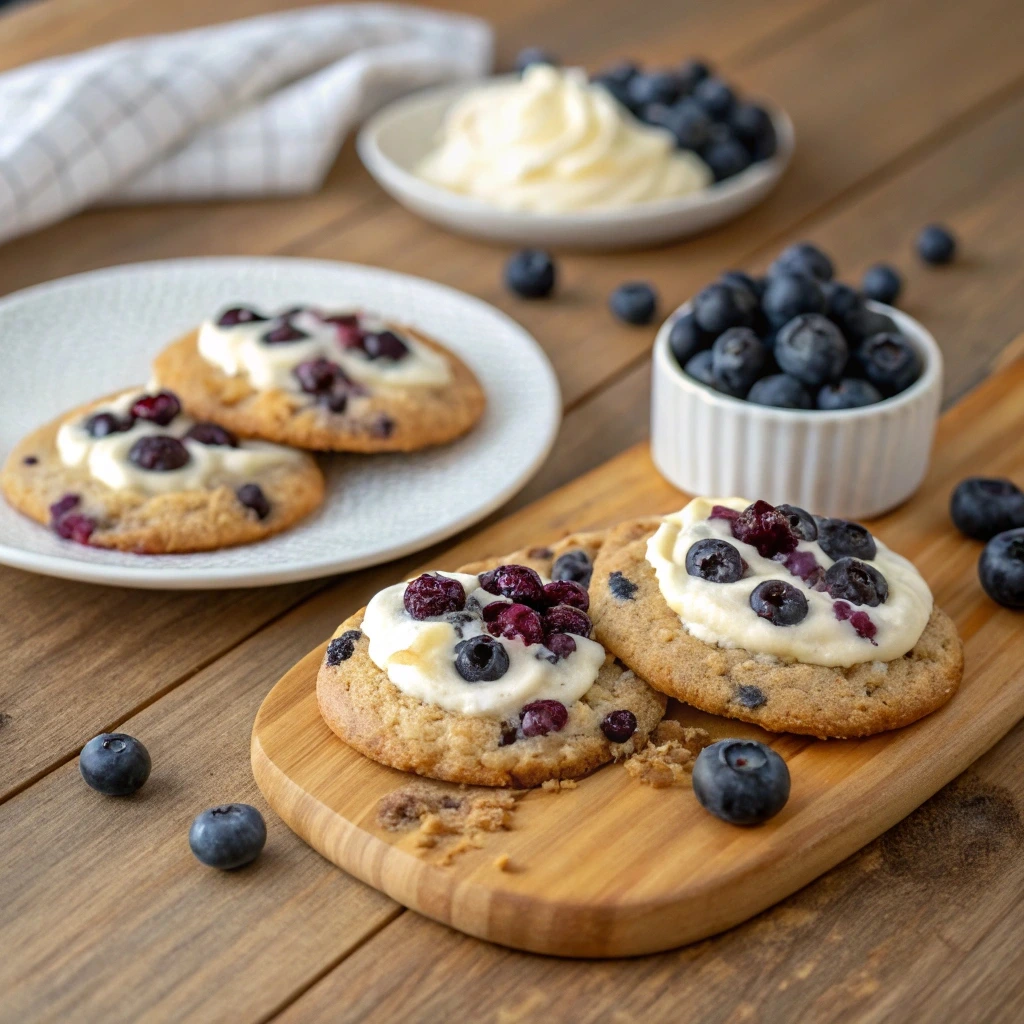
pixel 742 782
pixel 1001 568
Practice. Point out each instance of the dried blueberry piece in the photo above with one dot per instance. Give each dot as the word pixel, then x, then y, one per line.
pixel 742 782
pixel 857 582
pixel 317 376
pixel 565 619
pixel 481 659
pixel 751 697
pixel 800 521
pixel 383 426
pixel 509 734
pixel 62 507
pixel 385 345
pixel 981 507
pixel 618 726
pixel 103 424
pixel 252 497
pixel 765 528
pixel 341 648
pixel 839 537
pixel 574 565
pixel 115 764
pixel 75 527
pixel 802 564
pixel 283 332
pixel 543 716
pixel 517 622
pixel 567 592
pixel 724 512
pixel 516 582
pixel 862 623
pixel 239 315
pixel 30 460
pixel 622 588
pixel 160 408
pixel 561 645
pixel 158 453
pixel 779 602
pixel 211 433
pixel 714 560
pixel 431 595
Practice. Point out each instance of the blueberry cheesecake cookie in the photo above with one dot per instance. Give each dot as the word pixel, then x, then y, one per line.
pixel 488 676
pixel 133 472
pixel 326 381
pixel 794 622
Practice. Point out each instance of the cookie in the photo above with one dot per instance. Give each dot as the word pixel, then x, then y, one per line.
pixel 327 382
pixel 510 746
pixel 131 472
pixel 634 621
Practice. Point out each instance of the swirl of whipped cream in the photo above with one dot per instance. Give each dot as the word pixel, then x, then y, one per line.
pixel 551 142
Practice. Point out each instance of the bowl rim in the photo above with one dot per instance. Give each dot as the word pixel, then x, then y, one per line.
pixel 384 168
pixel 914 330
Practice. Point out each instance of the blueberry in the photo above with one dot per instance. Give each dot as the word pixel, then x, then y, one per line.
pixel 841 303
pixel 228 836
pixel 857 582
pixel 742 280
pixel 753 126
pixel 618 87
pixel 685 338
pixel 563 618
pixel 889 361
pixel 341 648
pixel 384 345
pixel 620 73
pixel 543 716
pixel 839 538
pixel 781 391
pixel 689 124
pixel 431 595
pixel 634 303
pixel 751 697
pixel 284 332
pixel 515 622
pixel 160 408
pixel 720 306
pixel 881 283
pixel 574 565
pixel 516 582
pixel 726 158
pixel 622 588
pixel 789 295
pixel 779 602
pixel 653 87
pixel 1001 568
pixel 801 522
pixel 858 325
pixel 212 434
pixel 691 73
pixel 811 348
pixel 239 315
pixel 252 497
pixel 533 55
pixel 481 659
pixel 699 368
pixel 848 393
pixel 936 244
pixel 981 507
pixel 737 360
pixel 114 763
pixel 530 273
pixel 567 592
pixel 103 424
pixel 715 97
pixel 714 560
pixel 158 453
pixel 803 258
pixel 618 726
pixel 742 782
pixel 764 527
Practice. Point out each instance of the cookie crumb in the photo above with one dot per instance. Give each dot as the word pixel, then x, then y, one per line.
pixel 503 862
pixel 557 785
pixel 668 758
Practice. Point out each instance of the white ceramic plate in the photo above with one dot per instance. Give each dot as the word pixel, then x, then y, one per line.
pixel 394 140
pixel 71 340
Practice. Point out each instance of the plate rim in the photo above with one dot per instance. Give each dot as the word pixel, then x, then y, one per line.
pixel 155 577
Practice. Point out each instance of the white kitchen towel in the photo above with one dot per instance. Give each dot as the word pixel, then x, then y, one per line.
pixel 248 108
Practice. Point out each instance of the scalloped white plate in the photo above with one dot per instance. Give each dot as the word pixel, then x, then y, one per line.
pixel 74 339
pixel 393 141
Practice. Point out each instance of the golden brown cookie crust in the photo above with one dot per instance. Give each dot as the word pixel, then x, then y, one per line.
pixel 364 708
pixel 178 522
pixel 646 634
pixel 419 416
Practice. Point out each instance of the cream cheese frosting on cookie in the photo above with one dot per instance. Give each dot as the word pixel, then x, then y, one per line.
pixel 551 142
pixel 247 347
pixel 107 456
pixel 832 632
pixel 419 655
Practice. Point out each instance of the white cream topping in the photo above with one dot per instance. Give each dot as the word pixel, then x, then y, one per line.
pixel 419 658
pixel 551 142
pixel 106 458
pixel 720 613
pixel 239 350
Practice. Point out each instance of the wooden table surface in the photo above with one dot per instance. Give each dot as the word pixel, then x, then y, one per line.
pixel 906 111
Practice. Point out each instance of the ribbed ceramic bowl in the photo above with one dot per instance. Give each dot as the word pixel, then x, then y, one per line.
pixel 855 463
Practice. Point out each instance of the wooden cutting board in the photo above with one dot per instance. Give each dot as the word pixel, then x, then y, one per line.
pixel 616 868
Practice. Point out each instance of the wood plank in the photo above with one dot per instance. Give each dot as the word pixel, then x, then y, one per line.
pixel 883 930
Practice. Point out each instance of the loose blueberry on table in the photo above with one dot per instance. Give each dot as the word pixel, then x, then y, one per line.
pixel 115 764
pixel 1001 568
pixel 981 507
pixel 228 836
pixel 936 244
pixel 634 303
pixel 530 273
pixel 742 782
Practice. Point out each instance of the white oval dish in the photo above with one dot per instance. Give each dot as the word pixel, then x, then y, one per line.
pixel 84 336
pixel 854 463
pixel 392 142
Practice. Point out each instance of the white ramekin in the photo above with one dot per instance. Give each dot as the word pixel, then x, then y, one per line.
pixel 854 463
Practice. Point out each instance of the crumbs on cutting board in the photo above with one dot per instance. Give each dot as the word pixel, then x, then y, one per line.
pixel 438 814
pixel 557 785
pixel 668 758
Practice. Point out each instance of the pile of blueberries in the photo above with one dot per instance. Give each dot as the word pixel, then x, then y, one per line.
pixel 700 109
pixel 992 509
pixel 799 339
